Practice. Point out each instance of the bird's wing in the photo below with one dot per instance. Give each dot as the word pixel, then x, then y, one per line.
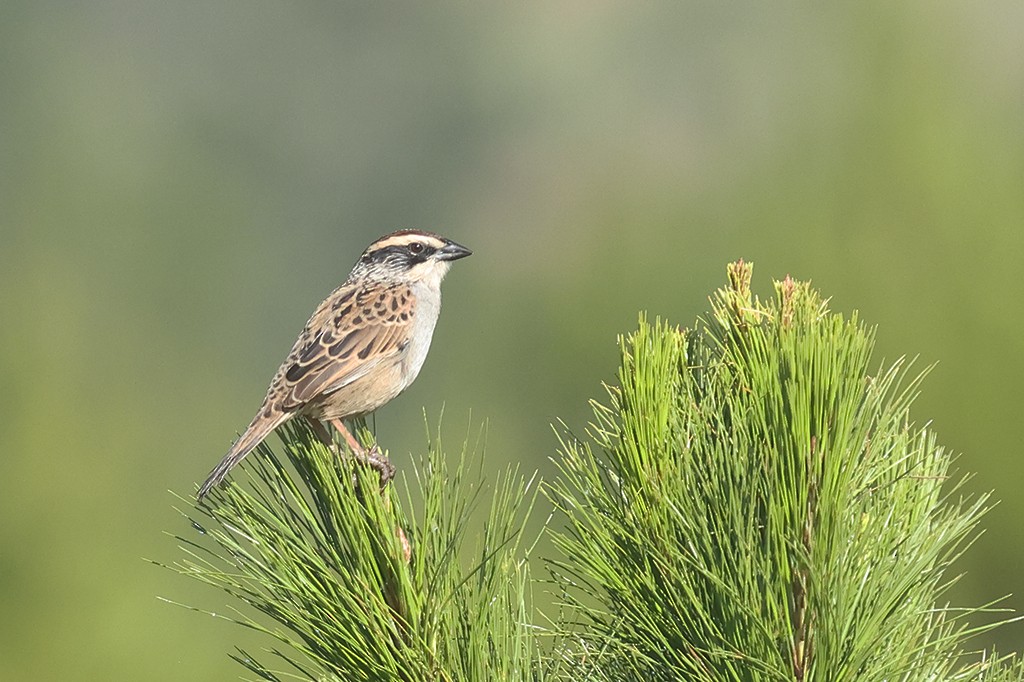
pixel 351 334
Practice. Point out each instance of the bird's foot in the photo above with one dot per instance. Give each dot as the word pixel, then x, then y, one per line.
pixel 376 459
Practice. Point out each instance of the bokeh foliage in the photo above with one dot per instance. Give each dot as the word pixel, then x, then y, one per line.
pixel 181 183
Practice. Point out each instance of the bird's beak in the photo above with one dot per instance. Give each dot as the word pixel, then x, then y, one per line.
pixel 453 251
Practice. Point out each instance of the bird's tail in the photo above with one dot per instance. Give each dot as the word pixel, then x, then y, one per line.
pixel 259 429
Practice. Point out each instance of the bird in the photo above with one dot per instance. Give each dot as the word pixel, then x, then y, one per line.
pixel 362 346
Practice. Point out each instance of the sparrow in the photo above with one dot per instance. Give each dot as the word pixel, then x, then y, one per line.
pixel 363 345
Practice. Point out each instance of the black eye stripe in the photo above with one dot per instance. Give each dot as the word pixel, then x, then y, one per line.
pixel 404 253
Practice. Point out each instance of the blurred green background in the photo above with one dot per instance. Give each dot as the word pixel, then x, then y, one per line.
pixel 181 183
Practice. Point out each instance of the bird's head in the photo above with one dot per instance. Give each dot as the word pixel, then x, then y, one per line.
pixel 411 256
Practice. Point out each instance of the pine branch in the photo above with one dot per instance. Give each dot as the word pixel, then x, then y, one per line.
pixel 320 559
pixel 752 503
pixel 755 504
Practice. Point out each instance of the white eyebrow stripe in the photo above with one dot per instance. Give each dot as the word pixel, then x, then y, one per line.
pixel 408 238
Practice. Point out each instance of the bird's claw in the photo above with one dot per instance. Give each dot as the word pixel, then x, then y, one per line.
pixel 386 468
pixel 375 458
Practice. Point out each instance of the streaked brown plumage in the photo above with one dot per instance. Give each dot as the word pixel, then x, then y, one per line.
pixel 363 345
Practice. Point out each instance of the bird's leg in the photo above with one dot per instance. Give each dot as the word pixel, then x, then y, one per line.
pixel 372 457
pixel 376 459
pixel 324 436
pixel 320 431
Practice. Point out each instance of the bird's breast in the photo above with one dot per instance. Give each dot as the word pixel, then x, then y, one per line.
pixel 425 314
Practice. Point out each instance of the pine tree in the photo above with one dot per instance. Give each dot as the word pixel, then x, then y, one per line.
pixel 752 503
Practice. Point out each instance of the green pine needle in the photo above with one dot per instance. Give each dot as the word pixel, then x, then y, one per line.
pixel 755 504
pixel 317 555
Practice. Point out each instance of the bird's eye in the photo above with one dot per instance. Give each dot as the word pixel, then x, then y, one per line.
pixel 416 248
